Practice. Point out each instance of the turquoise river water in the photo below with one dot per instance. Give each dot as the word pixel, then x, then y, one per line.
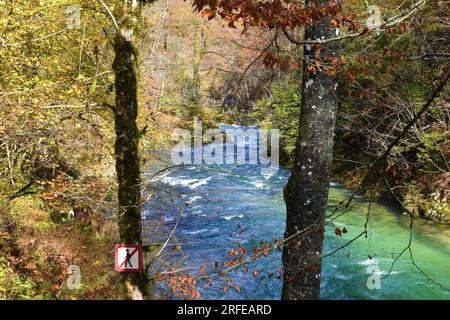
pixel 222 196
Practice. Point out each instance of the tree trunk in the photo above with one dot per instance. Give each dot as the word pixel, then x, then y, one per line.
pixel 306 193
pixel 127 147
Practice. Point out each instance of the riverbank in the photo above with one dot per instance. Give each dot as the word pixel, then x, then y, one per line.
pixel 424 194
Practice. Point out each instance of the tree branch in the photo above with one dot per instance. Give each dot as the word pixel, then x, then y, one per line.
pixel 110 14
pixel 393 21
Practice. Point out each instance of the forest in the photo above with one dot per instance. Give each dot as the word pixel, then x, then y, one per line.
pixel 241 149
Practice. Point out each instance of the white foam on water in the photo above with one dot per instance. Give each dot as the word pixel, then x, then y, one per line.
pixel 198 208
pixel 200 182
pixel 392 272
pixel 258 184
pixel 160 177
pixel 240 216
pixel 342 276
pixel 368 262
pixel 190 183
pixel 267 176
pixel 167 219
pixel 202 231
pixel 193 199
pixel 197 231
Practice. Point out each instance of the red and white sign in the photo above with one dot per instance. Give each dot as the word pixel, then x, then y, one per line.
pixel 128 258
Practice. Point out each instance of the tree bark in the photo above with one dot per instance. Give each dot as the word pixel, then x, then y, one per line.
pixel 127 145
pixel 306 193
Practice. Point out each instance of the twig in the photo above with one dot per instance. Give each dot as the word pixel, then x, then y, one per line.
pixel 110 14
pixel 37 39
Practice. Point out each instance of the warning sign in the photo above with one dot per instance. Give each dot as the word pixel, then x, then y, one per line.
pixel 128 258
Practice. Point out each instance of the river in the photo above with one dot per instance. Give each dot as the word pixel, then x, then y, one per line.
pixel 221 197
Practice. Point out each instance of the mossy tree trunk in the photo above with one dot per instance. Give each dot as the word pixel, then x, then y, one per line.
pixel 127 140
pixel 306 193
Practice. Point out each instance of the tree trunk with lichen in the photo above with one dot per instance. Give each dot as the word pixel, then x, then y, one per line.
pixel 306 193
pixel 127 145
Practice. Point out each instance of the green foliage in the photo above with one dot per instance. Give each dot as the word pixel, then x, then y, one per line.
pixel 381 90
pixel 56 131
pixel 190 99
pixel 280 111
pixel 15 286
pixel 433 207
pixel 433 151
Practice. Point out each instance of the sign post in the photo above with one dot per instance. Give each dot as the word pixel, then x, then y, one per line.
pixel 128 258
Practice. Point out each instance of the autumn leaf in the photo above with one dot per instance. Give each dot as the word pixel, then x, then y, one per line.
pixel 236 287
pixel 260 95
pixel 361 59
pixel 311 69
pixel 351 74
pixel 174 289
pixel 335 61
